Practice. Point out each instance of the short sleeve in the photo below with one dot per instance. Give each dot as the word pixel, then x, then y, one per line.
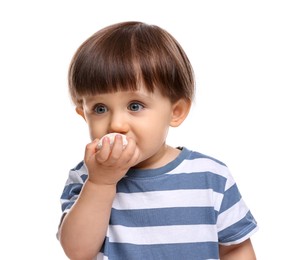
pixel 235 222
pixel 76 179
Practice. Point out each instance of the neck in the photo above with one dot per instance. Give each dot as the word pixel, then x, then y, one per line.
pixel 160 159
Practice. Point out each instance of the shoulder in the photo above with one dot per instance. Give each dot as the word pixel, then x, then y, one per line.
pixel 194 155
pixel 207 166
pixel 78 174
pixel 203 162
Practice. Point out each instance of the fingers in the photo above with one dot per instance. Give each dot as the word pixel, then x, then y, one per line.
pixel 103 153
pixel 117 147
pixel 109 164
pixel 131 152
pixel 100 155
pixel 90 149
pixel 116 153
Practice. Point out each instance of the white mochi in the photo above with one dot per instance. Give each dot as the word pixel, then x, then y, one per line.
pixel 111 137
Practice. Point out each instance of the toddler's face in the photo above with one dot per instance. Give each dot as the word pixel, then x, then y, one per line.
pixel 140 115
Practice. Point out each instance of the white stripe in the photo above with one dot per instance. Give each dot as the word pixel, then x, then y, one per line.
pixel 166 199
pixel 232 215
pixel 75 176
pixel 101 256
pixel 63 201
pixel 162 234
pixel 73 198
pixel 204 165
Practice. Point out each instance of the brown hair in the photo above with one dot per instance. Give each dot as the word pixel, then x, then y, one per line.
pixel 120 56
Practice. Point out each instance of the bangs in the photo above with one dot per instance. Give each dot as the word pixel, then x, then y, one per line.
pixel 104 66
pixel 122 57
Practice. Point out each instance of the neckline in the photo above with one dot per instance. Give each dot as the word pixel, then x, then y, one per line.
pixel 147 173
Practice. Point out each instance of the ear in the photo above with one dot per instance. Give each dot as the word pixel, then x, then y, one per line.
pixel 180 111
pixel 80 111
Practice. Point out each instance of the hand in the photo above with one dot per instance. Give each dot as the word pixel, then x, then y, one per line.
pixel 107 165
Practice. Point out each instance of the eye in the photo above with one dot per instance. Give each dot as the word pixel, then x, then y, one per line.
pixel 135 106
pixel 100 109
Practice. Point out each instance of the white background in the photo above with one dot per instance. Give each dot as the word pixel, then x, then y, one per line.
pixel 243 56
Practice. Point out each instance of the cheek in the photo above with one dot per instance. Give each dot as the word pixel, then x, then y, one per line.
pixel 153 132
pixel 95 130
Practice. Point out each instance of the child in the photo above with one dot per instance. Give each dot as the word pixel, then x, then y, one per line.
pixel 145 200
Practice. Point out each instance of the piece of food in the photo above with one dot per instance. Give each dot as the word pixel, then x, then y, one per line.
pixel 111 137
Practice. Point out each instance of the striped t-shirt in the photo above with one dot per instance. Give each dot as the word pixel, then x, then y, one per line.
pixel 183 210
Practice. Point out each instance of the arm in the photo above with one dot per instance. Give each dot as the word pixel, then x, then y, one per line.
pixel 242 251
pixel 84 228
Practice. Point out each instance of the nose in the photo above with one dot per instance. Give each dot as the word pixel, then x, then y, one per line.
pixel 118 123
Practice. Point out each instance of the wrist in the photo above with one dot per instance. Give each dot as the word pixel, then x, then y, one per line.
pixel 99 187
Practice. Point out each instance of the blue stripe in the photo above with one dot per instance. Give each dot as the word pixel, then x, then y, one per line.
pixel 195 155
pixel 84 177
pixel 231 197
pixel 204 180
pixel 238 230
pixel 184 155
pixel 78 167
pixel 207 250
pixel 71 190
pixel 164 216
pixel 67 205
pixel 149 173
